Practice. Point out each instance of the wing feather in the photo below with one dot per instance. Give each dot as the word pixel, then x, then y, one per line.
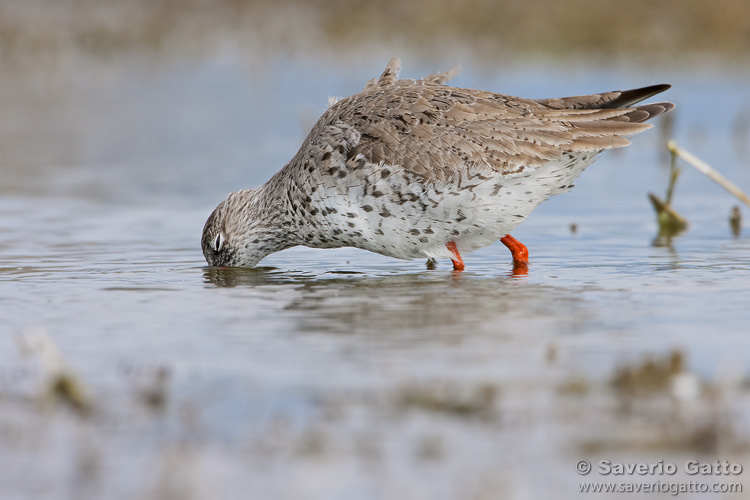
pixel 436 131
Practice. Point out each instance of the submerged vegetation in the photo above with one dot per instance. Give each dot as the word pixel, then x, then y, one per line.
pixel 672 223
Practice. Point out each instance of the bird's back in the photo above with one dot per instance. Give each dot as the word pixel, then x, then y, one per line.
pixel 435 130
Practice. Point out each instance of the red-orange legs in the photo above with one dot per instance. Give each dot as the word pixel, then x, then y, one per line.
pixel 458 263
pixel 519 252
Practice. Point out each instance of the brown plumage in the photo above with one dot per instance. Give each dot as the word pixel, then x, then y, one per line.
pixel 432 129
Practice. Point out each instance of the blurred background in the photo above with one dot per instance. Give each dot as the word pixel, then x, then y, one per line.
pixel 101 80
pixel 656 32
pixel 103 83
pixel 129 370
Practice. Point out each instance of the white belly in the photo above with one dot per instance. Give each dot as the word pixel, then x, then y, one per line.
pixel 401 216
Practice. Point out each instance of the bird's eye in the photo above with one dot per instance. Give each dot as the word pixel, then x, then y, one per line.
pixel 218 242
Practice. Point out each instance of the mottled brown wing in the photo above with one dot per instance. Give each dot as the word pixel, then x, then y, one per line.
pixel 607 100
pixel 434 130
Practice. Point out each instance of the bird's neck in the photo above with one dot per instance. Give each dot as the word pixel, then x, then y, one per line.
pixel 275 203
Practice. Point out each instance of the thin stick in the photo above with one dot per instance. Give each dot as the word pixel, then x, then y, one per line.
pixel 674 173
pixel 708 170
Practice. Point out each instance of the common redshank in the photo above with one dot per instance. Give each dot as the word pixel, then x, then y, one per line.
pixel 419 169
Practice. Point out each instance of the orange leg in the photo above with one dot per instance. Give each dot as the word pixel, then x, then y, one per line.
pixel 518 250
pixel 458 263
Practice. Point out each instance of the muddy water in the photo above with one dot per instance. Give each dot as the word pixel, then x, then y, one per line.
pixel 343 374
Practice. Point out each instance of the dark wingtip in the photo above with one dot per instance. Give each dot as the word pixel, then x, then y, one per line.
pixel 630 97
pixel 606 100
pixel 661 87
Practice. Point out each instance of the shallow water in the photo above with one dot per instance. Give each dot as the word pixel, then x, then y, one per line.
pixel 340 373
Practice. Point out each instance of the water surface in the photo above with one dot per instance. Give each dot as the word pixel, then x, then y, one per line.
pixel 340 373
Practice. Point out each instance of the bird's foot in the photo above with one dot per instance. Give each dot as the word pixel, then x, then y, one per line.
pixel 519 252
pixel 458 263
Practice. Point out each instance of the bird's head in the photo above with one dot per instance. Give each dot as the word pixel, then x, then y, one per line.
pixel 241 231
